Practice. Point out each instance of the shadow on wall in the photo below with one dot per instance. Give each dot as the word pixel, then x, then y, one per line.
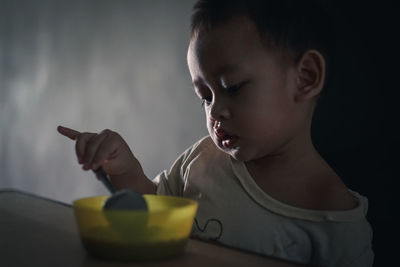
pixel 92 65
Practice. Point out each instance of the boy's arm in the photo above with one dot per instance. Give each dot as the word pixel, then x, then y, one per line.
pixel 136 180
pixel 109 151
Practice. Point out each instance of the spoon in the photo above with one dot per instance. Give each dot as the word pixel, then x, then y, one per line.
pixel 103 177
pixel 126 199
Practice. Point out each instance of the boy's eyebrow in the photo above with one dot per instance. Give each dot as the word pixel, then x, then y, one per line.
pixel 224 69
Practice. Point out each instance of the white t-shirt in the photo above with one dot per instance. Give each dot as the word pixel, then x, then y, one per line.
pixel 235 211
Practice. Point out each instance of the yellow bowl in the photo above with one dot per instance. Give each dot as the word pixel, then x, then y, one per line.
pixel 160 232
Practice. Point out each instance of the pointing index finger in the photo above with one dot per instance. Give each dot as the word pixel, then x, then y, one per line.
pixel 68 132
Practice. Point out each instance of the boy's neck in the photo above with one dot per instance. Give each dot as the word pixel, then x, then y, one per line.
pixel 300 177
pixel 297 158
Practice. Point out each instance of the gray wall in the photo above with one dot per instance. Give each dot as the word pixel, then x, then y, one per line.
pixel 92 65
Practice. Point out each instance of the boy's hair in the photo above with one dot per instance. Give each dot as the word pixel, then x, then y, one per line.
pixel 287 25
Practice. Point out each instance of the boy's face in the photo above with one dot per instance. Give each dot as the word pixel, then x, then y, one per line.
pixel 248 93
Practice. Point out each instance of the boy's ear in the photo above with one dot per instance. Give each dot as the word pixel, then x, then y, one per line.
pixel 310 80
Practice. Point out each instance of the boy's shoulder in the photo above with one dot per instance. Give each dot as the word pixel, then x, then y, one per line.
pixel 336 196
pixel 329 194
pixel 324 190
pixel 203 146
pixel 320 191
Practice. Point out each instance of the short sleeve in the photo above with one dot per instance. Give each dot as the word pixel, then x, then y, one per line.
pixel 172 182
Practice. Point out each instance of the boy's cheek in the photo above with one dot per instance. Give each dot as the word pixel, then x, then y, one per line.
pixel 208 122
pixel 209 128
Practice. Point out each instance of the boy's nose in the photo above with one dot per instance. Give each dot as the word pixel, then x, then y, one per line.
pixel 219 111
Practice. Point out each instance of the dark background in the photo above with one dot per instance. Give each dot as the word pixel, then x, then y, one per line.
pixel 356 120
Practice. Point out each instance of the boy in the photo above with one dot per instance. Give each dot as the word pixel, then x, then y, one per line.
pixel 258 67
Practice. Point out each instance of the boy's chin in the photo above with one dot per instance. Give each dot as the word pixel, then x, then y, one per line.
pixel 239 156
pixel 236 153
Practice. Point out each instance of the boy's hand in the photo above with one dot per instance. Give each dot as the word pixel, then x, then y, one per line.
pixel 109 150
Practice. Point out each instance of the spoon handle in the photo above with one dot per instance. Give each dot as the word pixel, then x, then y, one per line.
pixel 103 177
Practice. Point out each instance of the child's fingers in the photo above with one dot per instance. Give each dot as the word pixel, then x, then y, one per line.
pixel 92 147
pixel 68 132
pixel 105 151
pixel 80 145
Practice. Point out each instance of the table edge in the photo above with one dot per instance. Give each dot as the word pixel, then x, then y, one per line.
pixel 18 191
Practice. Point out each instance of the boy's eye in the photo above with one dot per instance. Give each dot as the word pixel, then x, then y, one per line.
pixel 233 89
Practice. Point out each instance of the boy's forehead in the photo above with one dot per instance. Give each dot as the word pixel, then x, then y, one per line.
pixel 238 30
pixel 212 62
pixel 226 47
pixel 226 41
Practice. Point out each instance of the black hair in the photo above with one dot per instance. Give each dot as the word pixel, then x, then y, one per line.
pixel 291 25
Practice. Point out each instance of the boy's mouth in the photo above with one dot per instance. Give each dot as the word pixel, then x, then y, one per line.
pixel 227 140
